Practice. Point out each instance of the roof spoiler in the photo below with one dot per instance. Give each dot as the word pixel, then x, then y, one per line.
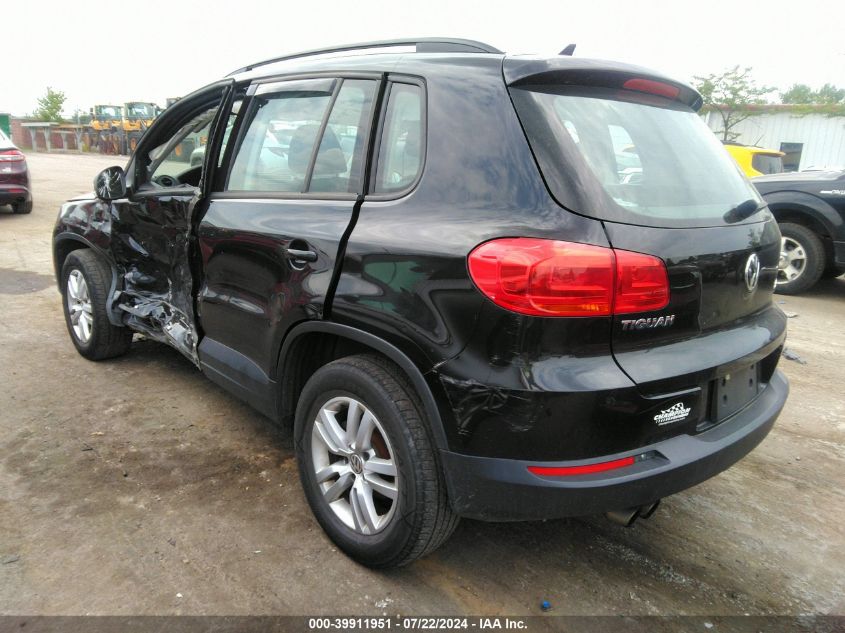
pixel 575 71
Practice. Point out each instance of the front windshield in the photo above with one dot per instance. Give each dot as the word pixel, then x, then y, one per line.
pixel 112 112
pixel 142 110
pixel 645 161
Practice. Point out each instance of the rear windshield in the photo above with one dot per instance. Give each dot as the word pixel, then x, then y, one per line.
pixel 619 156
pixel 767 163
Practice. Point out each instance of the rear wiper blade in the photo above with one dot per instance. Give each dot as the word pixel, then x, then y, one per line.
pixel 743 210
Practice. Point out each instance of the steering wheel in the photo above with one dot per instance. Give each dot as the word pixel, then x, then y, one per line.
pixel 166 180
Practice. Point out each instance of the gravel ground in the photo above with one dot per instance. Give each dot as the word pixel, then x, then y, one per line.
pixel 135 486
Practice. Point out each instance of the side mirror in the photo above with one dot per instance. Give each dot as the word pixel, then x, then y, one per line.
pixel 110 184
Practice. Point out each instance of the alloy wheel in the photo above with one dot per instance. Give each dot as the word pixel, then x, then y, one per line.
pixel 792 262
pixel 354 465
pixel 79 306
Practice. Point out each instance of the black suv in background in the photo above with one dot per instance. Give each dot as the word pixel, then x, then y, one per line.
pixel 434 262
pixel 810 209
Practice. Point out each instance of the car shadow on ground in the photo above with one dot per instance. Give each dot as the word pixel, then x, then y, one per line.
pixel 825 289
pixel 151 355
pixel 535 535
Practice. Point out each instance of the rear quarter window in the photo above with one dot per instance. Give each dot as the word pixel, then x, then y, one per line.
pixel 400 154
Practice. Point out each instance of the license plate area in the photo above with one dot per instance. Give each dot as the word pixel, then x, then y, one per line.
pixel 733 391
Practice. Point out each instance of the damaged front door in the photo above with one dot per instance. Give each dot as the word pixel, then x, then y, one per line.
pixel 151 227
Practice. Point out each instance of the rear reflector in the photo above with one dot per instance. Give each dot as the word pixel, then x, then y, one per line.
pixel 541 277
pixel 586 469
pixel 11 156
pixel 653 87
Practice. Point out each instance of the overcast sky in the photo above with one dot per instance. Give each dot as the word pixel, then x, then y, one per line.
pixel 111 51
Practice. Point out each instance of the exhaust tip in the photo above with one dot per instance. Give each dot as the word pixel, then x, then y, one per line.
pixel 628 516
pixel 625 517
pixel 647 510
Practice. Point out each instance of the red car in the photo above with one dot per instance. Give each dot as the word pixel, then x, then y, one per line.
pixel 14 177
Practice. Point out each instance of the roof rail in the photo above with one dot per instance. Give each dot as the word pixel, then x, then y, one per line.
pixel 422 44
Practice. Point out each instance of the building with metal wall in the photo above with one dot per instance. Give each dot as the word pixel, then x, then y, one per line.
pixel 808 135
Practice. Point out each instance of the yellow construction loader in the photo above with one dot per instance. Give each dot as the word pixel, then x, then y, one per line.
pixel 114 129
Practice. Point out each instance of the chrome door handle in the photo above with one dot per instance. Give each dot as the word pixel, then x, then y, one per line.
pixel 301 256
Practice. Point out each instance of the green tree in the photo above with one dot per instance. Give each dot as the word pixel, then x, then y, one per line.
pixel 798 93
pixel 730 94
pixel 50 106
pixel 829 93
pixel 802 94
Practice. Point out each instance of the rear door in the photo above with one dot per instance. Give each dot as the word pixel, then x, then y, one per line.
pixel 629 150
pixel 269 240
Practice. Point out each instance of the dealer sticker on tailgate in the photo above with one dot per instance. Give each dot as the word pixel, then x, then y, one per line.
pixel 675 413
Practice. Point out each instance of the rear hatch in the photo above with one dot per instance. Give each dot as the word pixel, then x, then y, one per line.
pixel 626 147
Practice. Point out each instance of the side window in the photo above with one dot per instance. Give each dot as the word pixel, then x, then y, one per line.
pixel 339 165
pixel 400 154
pixel 170 161
pixel 278 146
pixel 276 149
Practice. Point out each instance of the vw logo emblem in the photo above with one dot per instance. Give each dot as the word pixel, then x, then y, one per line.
pixel 356 463
pixel 752 272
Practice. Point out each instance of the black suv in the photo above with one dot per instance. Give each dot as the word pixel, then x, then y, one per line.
pixel 475 285
pixel 810 209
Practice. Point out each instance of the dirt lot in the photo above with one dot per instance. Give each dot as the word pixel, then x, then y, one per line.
pixel 136 486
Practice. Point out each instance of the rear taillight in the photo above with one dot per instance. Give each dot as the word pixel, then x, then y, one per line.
pixel 563 279
pixel 642 284
pixel 11 156
pixel 544 277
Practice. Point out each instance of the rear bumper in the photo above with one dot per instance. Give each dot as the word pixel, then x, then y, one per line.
pixel 12 193
pixel 495 489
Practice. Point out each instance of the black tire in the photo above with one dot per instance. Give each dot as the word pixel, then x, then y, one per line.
pixel 22 207
pixel 422 519
pixel 814 262
pixel 106 340
pixel 832 272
